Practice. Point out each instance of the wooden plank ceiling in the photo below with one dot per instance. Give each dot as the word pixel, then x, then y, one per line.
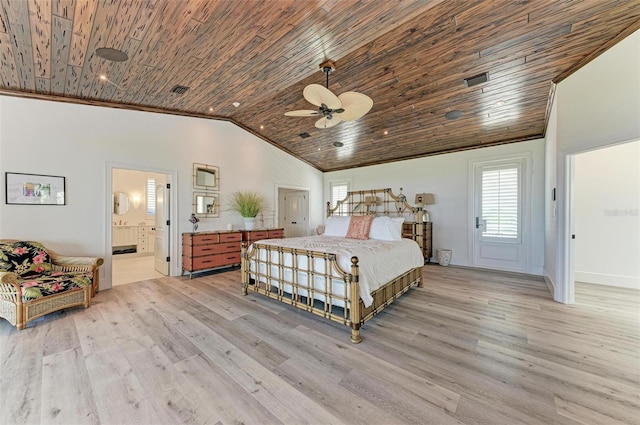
pixel 410 57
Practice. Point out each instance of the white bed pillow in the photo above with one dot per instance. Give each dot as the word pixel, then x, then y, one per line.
pixel 386 228
pixel 337 226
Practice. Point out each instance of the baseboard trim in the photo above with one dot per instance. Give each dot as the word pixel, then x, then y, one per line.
pixel 619 281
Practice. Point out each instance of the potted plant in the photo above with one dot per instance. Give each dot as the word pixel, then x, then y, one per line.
pixel 248 204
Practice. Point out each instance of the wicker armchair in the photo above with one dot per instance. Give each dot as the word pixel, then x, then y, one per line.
pixel 68 282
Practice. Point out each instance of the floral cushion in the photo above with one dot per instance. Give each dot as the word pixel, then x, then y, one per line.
pixel 50 283
pixel 25 258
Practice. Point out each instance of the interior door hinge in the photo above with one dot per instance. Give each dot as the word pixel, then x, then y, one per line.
pixel 168 222
pixel 168 259
pixel 168 185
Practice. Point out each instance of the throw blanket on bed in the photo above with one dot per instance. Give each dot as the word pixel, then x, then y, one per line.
pixel 379 261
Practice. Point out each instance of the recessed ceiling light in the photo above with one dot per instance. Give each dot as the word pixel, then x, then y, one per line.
pixel 103 77
pixel 386 132
pixel 453 115
pixel 210 109
pixel 338 144
pixel 110 54
pixel 500 103
pixel 236 104
pixel 262 127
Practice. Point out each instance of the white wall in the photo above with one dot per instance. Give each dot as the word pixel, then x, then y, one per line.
pixel 607 220
pixel 597 106
pixel 82 143
pixel 446 176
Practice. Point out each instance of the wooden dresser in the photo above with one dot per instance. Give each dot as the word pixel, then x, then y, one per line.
pixel 422 232
pixel 250 236
pixel 209 250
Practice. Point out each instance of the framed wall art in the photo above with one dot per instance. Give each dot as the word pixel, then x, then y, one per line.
pixel 34 189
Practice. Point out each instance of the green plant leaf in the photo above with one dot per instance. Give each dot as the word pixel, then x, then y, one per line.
pixel 247 203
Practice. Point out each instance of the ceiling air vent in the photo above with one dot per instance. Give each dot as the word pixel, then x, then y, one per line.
pixel 477 79
pixel 304 135
pixel 179 89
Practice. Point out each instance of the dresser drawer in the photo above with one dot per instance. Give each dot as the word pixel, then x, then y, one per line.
pixel 274 234
pixel 201 263
pixel 230 237
pixel 205 239
pixel 201 250
pixel 255 236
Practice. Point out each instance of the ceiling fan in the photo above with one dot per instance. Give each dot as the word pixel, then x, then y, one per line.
pixel 332 109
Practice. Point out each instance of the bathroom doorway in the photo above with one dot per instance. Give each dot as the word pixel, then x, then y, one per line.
pixel 135 229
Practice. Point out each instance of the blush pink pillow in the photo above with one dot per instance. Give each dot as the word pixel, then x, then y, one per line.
pixel 359 227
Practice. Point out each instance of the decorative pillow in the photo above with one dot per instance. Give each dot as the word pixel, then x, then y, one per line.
pixel 337 226
pixel 25 258
pixel 386 228
pixel 359 227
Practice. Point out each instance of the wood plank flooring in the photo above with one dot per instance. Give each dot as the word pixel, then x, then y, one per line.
pixel 471 347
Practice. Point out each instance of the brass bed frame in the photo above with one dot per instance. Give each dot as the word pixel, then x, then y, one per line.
pixel 354 314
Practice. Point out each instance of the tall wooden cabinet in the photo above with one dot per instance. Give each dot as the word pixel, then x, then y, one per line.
pixel 421 233
pixel 209 250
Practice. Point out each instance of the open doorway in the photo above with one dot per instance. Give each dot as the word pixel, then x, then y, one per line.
pixel 293 211
pixel 140 239
pixel 604 226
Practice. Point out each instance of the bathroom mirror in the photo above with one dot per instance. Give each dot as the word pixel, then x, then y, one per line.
pixel 205 204
pixel 121 203
pixel 205 177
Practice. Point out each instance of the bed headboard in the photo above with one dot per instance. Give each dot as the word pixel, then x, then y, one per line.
pixel 379 202
pixel 375 202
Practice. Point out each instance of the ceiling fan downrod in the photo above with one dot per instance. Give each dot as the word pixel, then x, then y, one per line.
pixel 327 67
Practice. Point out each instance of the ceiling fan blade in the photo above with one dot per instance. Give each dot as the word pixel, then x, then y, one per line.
pixel 355 105
pixel 302 113
pixel 325 123
pixel 318 95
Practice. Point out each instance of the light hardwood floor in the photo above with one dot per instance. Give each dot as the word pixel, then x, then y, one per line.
pixel 131 269
pixel 471 347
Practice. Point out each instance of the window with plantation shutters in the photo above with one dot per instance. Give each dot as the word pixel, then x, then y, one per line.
pixel 338 192
pixel 151 197
pixel 500 202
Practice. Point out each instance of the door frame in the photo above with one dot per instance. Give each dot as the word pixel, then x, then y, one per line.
pixel 277 188
pixel 173 214
pixel 525 190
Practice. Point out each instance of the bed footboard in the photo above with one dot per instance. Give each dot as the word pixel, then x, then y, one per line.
pixel 313 281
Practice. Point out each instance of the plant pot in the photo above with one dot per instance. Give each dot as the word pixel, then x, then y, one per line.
pixel 249 223
pixel 444 256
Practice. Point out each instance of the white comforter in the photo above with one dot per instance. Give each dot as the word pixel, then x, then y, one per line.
pixel 379 261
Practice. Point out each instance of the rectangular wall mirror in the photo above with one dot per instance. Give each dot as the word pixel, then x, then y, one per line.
pixel 206 204
pixel 205 177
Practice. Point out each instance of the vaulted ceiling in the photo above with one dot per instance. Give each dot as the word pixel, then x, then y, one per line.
pixel 410 57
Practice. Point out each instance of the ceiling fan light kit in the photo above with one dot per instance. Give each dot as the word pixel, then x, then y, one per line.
pixel 332 109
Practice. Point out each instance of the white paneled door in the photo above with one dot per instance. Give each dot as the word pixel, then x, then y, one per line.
pixel 161 245
pixel 500 203
pixel 294 212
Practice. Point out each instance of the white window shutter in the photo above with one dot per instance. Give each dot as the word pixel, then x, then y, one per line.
pixel 151 197
pixel 500 202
